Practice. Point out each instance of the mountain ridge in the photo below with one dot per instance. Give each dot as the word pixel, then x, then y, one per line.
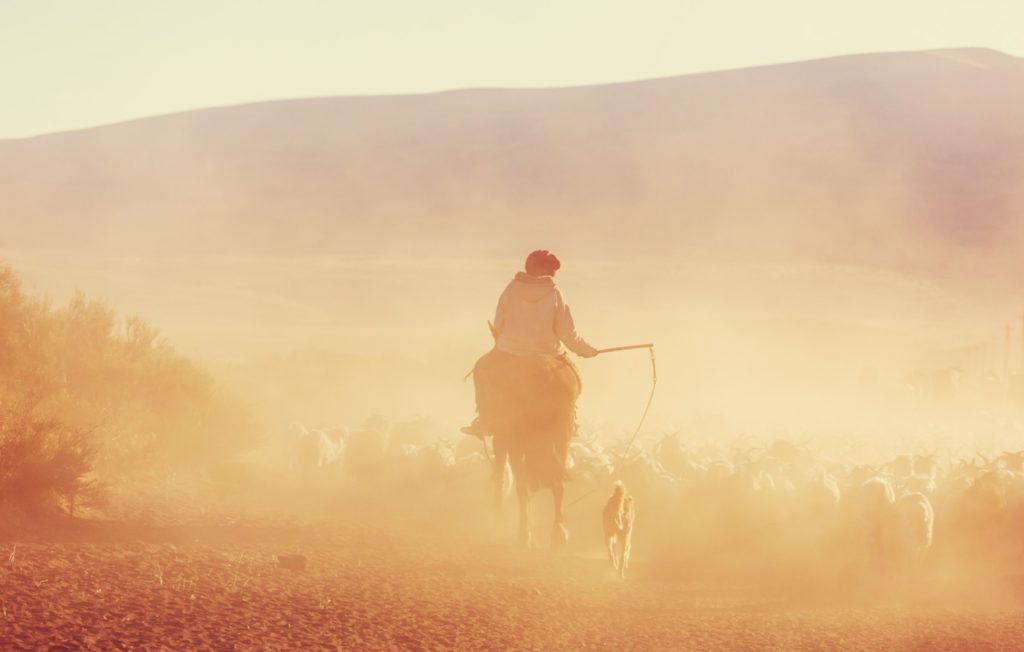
pixel 886 158
pixel 949 53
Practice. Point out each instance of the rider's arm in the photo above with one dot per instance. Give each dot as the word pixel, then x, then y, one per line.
pixel 565 328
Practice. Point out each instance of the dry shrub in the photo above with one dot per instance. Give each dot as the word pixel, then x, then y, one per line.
pixel 81 388
pixel 44 464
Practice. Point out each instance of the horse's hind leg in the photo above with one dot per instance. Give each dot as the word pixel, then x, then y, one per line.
pixel 523 493
pixel 523 496
pixel 499 471
pixel 559 533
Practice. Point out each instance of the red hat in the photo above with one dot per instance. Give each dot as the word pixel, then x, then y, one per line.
pixel 542 263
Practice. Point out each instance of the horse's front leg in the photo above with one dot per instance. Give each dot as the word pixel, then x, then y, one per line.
pixel 559 533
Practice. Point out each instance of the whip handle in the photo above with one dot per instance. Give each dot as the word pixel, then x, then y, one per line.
pixel 626 348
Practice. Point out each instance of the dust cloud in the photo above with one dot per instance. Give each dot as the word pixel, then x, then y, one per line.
pixel 831 293
pixel 783 389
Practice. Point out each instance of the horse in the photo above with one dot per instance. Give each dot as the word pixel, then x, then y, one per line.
pixel 532 413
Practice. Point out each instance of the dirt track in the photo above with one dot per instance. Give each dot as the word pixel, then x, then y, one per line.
pixel 221 588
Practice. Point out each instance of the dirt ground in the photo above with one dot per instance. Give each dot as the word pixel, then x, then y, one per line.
pixel 378 586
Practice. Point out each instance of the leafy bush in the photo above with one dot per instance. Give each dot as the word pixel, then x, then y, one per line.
pixel 43 463
pixel 81 388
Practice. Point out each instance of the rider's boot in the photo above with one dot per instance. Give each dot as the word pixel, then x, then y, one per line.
pixel 476 429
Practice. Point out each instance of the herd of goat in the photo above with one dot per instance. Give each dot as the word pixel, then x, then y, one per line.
pixel 778 507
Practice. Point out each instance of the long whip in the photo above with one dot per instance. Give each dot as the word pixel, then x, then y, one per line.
pixel 654 384
pixel 647 408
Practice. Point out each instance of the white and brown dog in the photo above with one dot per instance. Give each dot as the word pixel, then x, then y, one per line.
pixel 619 515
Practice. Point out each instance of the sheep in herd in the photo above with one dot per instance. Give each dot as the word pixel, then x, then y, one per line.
pixel 438 458
pixel 926 465
pixel 976 516
pixel 673 455
pixel 874 512
pixel 417 433
pixel 777 501
pixel 589 461
pixel 914 521
pixel 618 517
pixel 822 492
pixel 1012 461
pixel 330 445
pixel 473 467
pixel 919 484
pixel 313 449
pixel 901 467
pixel 368 449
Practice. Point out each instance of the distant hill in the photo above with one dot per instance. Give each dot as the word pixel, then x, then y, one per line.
pixel 897 159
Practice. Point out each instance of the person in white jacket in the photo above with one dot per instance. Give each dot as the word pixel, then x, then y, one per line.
pixel 532 318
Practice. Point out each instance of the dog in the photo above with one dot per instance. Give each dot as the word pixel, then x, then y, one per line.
pixel 619 514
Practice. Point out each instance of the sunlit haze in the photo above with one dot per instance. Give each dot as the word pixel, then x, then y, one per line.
pixel 521 325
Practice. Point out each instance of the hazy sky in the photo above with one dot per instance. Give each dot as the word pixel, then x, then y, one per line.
pixel 74 63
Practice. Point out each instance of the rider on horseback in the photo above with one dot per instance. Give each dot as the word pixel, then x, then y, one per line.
pixel 532 319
